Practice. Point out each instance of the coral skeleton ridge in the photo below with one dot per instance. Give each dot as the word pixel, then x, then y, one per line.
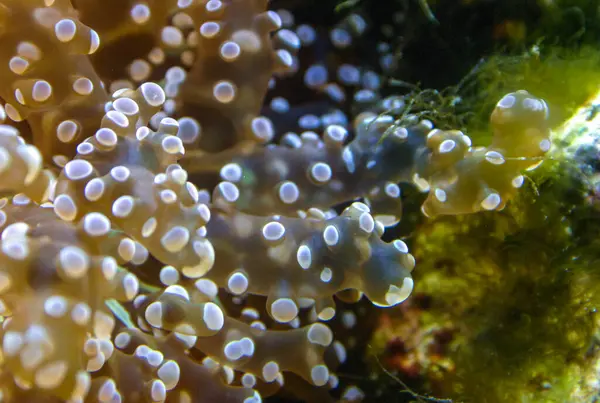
pixel 176 182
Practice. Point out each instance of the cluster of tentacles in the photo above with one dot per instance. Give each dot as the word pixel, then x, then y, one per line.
pixel 187 185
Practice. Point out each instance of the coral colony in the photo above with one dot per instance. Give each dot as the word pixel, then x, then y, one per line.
pixel 149 198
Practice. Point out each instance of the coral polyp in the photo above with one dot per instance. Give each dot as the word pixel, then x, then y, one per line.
pixel 146 194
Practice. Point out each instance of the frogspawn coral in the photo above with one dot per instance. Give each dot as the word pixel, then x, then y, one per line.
pixel 175 172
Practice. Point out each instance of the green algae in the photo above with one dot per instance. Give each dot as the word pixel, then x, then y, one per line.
pixel 522 287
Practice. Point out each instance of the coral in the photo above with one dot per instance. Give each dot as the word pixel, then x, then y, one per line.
pixel 141 205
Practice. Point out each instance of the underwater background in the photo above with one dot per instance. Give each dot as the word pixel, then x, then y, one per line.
pixel 300 201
